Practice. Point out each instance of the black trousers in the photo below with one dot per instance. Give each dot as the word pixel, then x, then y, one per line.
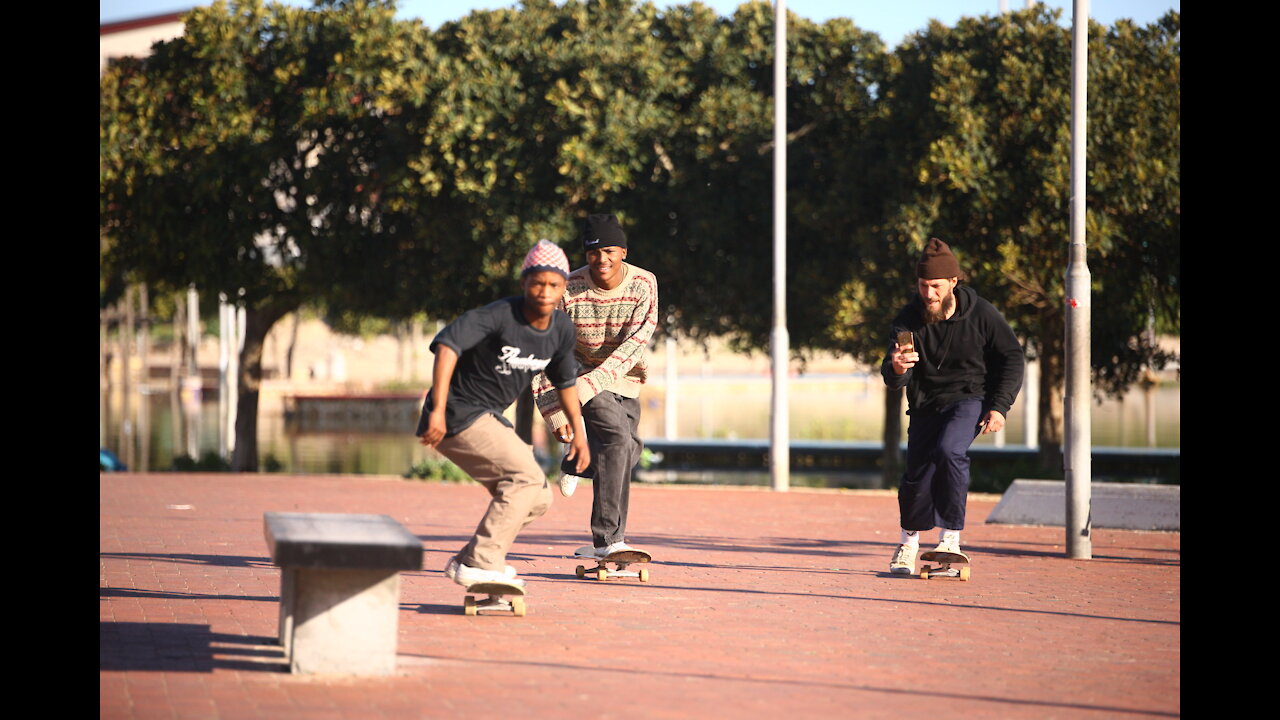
pixel 935 485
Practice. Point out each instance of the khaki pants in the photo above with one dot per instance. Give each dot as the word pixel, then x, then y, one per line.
pixel 492 454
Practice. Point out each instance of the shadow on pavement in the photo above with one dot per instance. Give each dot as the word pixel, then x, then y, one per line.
pixel 183 647
pixel 244 561
pixel 582 672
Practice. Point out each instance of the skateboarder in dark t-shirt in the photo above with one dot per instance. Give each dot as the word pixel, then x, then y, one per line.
pixel 484 359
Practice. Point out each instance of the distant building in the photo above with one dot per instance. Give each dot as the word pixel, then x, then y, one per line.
pixel 135 37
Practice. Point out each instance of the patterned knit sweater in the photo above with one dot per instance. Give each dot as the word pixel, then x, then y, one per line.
pixel 613 330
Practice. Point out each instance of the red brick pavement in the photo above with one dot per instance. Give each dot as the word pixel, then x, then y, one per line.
pixel 760 604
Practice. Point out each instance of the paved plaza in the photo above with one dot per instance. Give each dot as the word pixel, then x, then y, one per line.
pixel 759 605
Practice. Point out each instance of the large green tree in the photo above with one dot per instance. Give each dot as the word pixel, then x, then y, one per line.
pixel 258 156
pixel 974 145
pixel 338 157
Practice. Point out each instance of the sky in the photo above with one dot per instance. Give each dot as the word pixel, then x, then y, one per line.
pixel 892 20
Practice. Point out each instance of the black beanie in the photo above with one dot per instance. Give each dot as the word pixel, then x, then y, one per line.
pixel 602 231
pixel 937 262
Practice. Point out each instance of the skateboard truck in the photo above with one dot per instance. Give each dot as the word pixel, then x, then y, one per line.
pixel 496 601
pixel 945 569
pixel 620 560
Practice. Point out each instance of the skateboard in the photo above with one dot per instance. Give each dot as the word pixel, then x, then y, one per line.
pixel 620 560
pixel 495 603
pixel 945 570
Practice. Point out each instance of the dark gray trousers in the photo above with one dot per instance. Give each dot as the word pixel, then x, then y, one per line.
pixel 613 435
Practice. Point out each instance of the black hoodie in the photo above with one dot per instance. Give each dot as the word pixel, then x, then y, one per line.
pixel 972 354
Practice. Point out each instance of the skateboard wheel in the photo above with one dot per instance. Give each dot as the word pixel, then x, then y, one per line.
pixel 964 573
pixel 517 606
pixel 580 571
pixel 469 606
pixel 924 572
pixel 644 575
pixel 601 574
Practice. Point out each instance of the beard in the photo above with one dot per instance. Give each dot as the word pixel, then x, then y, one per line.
pixel 944 309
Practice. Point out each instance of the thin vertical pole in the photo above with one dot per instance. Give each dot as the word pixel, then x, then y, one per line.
pixel 780 449
pixel 670 413
pixel 1078 442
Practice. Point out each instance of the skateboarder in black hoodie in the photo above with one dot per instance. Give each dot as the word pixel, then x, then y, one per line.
pixel 962 367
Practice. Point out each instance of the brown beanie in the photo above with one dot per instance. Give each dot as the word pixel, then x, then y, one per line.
pixel 937 262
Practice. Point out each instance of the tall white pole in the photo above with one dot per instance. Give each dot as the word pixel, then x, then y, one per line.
pixel 779 441
pixel 670 414
pixel 224 374
pixel 1078 441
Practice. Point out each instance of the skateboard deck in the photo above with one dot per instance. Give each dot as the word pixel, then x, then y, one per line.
pixel 947 559
pixel 620 560
pixel 495 602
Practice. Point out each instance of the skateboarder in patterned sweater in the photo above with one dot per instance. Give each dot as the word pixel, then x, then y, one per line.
pixel 614 307
pixel 484 360
pixel 962 367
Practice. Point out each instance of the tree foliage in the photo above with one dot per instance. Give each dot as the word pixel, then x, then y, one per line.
pixel 338 157
pixel 253 157
pixel 974 146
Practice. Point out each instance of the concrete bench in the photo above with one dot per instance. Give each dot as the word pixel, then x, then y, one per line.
pixel 340 589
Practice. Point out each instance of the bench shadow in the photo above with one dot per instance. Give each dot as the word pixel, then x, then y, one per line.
pixel 235 561
pixel 433 609
pixel 110 592
pixel 184 647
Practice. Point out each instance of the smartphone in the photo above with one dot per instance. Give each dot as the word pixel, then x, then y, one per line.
pixel 905 342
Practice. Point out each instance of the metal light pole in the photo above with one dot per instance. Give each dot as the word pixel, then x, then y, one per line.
pixel 780 449
pixel 670 414
pixel 1078 444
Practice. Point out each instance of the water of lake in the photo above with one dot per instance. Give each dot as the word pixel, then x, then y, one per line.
pixel 163 425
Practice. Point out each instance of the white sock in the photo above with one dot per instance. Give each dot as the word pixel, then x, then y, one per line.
pixel 911 538
pixel 951 536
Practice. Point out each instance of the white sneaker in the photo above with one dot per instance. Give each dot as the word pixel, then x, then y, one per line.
pixel 949 545
pixel 617 547
pixel 568 483
pixel 466 576
pixel 590 551
pixel 904 560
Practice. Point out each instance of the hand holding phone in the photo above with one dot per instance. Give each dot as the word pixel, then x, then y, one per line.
pixel 906 343
pixel 905 358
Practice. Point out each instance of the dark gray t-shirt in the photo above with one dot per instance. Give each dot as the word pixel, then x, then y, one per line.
pixel 499 353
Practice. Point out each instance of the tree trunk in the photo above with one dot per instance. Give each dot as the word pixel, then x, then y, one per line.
pixel 1052 385
pixel 293 342
pixel 891 459
pixel 104 376
pixel 258 322
pixel 126 386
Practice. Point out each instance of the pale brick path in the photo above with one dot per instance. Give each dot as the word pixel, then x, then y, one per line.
pixel 760 605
